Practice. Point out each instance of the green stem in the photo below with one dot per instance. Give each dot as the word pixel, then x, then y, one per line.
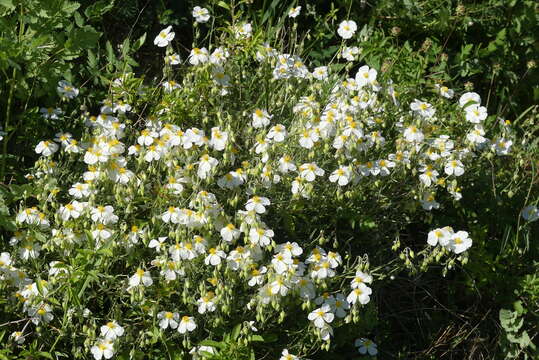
pixel 8 119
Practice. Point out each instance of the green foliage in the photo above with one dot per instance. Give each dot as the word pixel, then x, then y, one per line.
pixel 517 343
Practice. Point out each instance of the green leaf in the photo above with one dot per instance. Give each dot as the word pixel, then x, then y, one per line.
pixel 8 4
pixel 70 7
pixel 83 38
pixel 78 19
pixel 213 343
pixel 223 5
pixel 98 9
pixel 236 332
pixel 140 41
pixel 257 338
pixel 44 354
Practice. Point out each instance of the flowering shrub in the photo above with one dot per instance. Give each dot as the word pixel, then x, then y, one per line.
pixel 224 197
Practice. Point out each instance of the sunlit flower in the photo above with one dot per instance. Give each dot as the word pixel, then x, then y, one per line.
pixel 294 11
pixel 460 242
pixel 141 277
pixel 201 15
pixel 347 29
pixel 321 316
pixel 164 38
pixel 168 319
pixel 46 148
pixel 198 56
pixel 102 349
pixel 187 324
pixel 111 330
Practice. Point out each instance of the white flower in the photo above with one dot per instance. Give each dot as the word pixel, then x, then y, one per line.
pixel 218 139
pixel 454 167
pixel 469 97
pixel 219 76
pixel 18 337
pixel 279 286
pixel 157 244
pixel 320 73
pixel 29 250
pixel 71 210
pixel 199 352
pixel 261 236
pixel 112 330
pixel 80 190
pixel 360 294
pixel 5 260
pixel 285 355
pixel 366 346
pixel 164 37
pixel 205 165
pixel 502 146
pixel 339 305
pixel 140 277
pixel 361 278
pixel 168 319
pixel 229 233
pixel 173 59
pixel 476 135
pixel 67 90
pixel 261 118
pixel 350 53
pixel 281 262
pixel 475 113
pixel 294 12
pixel 244 31
pixel 347 29
pixel 102 349
pixel 147 137
pixel 429 176
pixel 530 213
pixel 428 202
pixel 257 276
pixel 365 76
pixel 214 257
pixel 424 109
pixel 277 133
pixel 440 236
pixel 170 85
pixel 187 324
pixel 51 113
pixel 341 175
pixel 219 55
pixel 46 148
pixel 104 215
pixel 201 15
pixel 258 204
pixel 460 242
pixel 40 313
pixel 445 91
pixel 321 316
pixel 413 134
pixel 198 56
pixel 292 249
pixel 206 303
pixel 286 164
pixel 308 137
pixel 310 171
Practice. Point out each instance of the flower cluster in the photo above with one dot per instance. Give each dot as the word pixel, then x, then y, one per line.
pixel 172 205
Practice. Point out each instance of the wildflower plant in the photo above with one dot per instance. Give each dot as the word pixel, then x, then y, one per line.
pixel 227 195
